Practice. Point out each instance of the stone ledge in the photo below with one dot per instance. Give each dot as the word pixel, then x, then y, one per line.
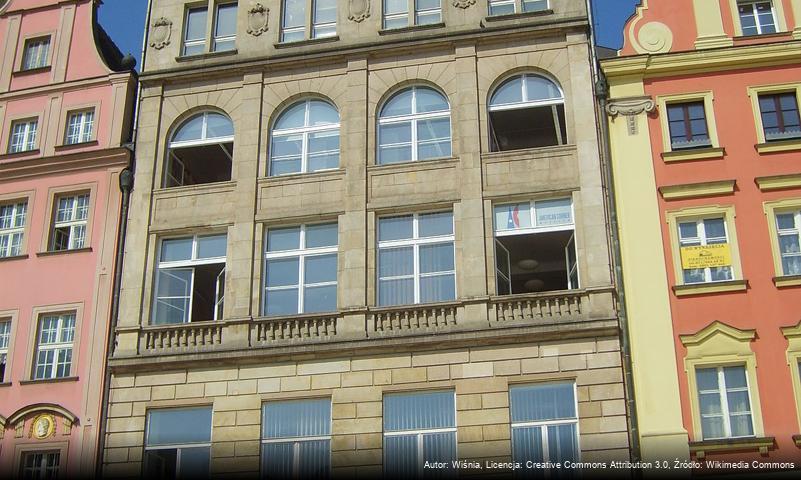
pixel 779 146
pixel 797 440
pixel 787 281
pixel 48 380
pixel 762 444
pixel 64 252
pixel 693 154
pixel 710 287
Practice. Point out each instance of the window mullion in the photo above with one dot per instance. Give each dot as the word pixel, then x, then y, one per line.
pixel 191 295
pixel 724 402
pixel 302 282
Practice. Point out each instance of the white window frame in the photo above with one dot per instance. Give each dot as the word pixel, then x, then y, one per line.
pixel 79 127
pixel 5 341
pixel 321 25
pixel 416 242
pixel 757 23
pixel 36 53
pixel 202 141
pixel 306 130
pixel 23 135
pixel 296 441
pixel 17 229
pixel 43 470
pixel 723 396
pixel 413 118
pixel 65 322
pixel 703 240
pixel 796 230
pixel 302 253
pixel 526 102
pixel 223 38
pixel 178 446
pixel 518 7
pixel 544 424
pixel 74 223
pixel 194 42
pixel 419 434
pixel 412 15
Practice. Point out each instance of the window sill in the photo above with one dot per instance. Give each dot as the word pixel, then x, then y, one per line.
pixel 516 15
pixel 693 154
pixel 32 71
pixel 198 188
pixel 14 257
pixel 307 176
pixel 787 281
pixel 308 41
pixel 206 55
pixel 797 440
pixel 697 190
pixel 711 287
pixel 411 28
pixel 63 252
pixel 763 444
pixel 779 146
pixel 761 36
pixel 413 165
pixel 25 153
pixel 69 146
pixel 48 380
pixel 5 384
pixel 778 182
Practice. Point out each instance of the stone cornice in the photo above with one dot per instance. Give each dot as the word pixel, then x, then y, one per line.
pixel 92 159
pixel 72 85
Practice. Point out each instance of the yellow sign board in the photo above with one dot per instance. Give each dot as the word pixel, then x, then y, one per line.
pixel 705 256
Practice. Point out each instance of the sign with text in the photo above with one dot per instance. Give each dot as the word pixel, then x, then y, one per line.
pixel 705 256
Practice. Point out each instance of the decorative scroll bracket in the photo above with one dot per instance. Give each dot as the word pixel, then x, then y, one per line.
pixel 630 108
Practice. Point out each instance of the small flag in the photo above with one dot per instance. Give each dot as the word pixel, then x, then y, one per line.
pixel 514 217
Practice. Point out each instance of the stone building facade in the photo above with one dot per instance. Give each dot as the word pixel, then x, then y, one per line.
pixel 256 119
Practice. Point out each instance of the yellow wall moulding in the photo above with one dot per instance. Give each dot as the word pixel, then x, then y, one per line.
pixel 781 146
pixel 695 190
pixel 787 281
pixel 694 154
pixel 763 444
pixel 778 182
pixel 793 336
pixel 712 287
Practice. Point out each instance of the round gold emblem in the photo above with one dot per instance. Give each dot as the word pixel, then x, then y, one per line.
pixel 43 426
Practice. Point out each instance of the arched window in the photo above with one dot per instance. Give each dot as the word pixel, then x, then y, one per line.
pixel 527 111
pixel 414 124
pixel 201 151
pixel 305 138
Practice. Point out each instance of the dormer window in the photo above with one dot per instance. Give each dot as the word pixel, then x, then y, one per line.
pixel 757 18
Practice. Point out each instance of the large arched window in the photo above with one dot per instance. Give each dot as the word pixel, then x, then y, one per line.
pixel 414 124
pixel 527 111
pixel 305 138
pixel 201 151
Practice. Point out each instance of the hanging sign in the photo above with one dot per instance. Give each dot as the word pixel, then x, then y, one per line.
pixel 706 256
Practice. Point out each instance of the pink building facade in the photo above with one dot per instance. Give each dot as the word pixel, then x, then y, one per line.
pixel 66 102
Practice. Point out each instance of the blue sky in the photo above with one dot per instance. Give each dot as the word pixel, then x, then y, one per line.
pixel 124 20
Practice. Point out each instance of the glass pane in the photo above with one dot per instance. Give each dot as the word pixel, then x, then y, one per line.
pixel 397 22
pixel 320 112
pixel 293 117
pixel 324 141
pixel 396 292
pixel 512 216
pixel 196 24
pixel 323 235
pixel 438 128
pixel 325 161
pixel 395 262
pixel 562 443
pixel 282 302
pixel 554 212
pixel 320 299
pixel 277 460
pixel 192 129
pixel 297 418
pixel 439 149
pixel 179 426
pixel 712 427
pixel 527 444
pixel 194 462
pixel 226 20
pixel 320 268
pixel 707 379
pixel 218 125
pixel 427 18
pixel 441 288
pixel 502 9
pixel 395 6
pixel 710 403
pixel 439 447
pixel 714 228
pixel 279 239
pixel 539 88
pixel 314 459
pixel 174 282
pixel 170 311
pixel 282 271
pixel 419 411
pixel 435 224
pixel 688 230
pixel 735 377
pixel 287 145
pixel 738 402
pixel 395 133
pixel 428 99
pixel 294 13
pixel 401 103
pixel 176 249
pixel 400 456
pixel 436 258
pixel 395 228
pixel 284 167
pixel 792 265
pixel 552 401
pixel 510 91
pixel 212 246
pixel 741 426
pixel 398 154
pixel 161 463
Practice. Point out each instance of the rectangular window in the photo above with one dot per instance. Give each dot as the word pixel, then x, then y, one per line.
pixel 195 31
pixel 296 439
pixel 788 225
pixel 687 124
pixel 418 427
pixel 225 27
pixel 54 346
pixel 544 422
pixel 757 18
pixel 69 226
pixel 79 127
pixel 190 279
pixel 36 53
pixel 703 233
pixel 423 12
pixel 23 136
pixel 300 270
pixel 12 228
pixel 178 443
pixel 725 402
pixel 416 259
pixel 508 7
pixel 535 247
pixel 40 465
pixel 5 339
pixel 780 120
pixel 293 21
pixel 324 22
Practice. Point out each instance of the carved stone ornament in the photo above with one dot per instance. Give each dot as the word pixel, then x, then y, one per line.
pixel 358 10
pixel 631 108
pixel 654 37
pixel 42 426
pixel 160 33
pixel 463 3
pixel 258 17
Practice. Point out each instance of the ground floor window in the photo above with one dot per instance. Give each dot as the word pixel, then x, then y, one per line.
pixel 178 443
pixel 296 439
pixel 40 465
